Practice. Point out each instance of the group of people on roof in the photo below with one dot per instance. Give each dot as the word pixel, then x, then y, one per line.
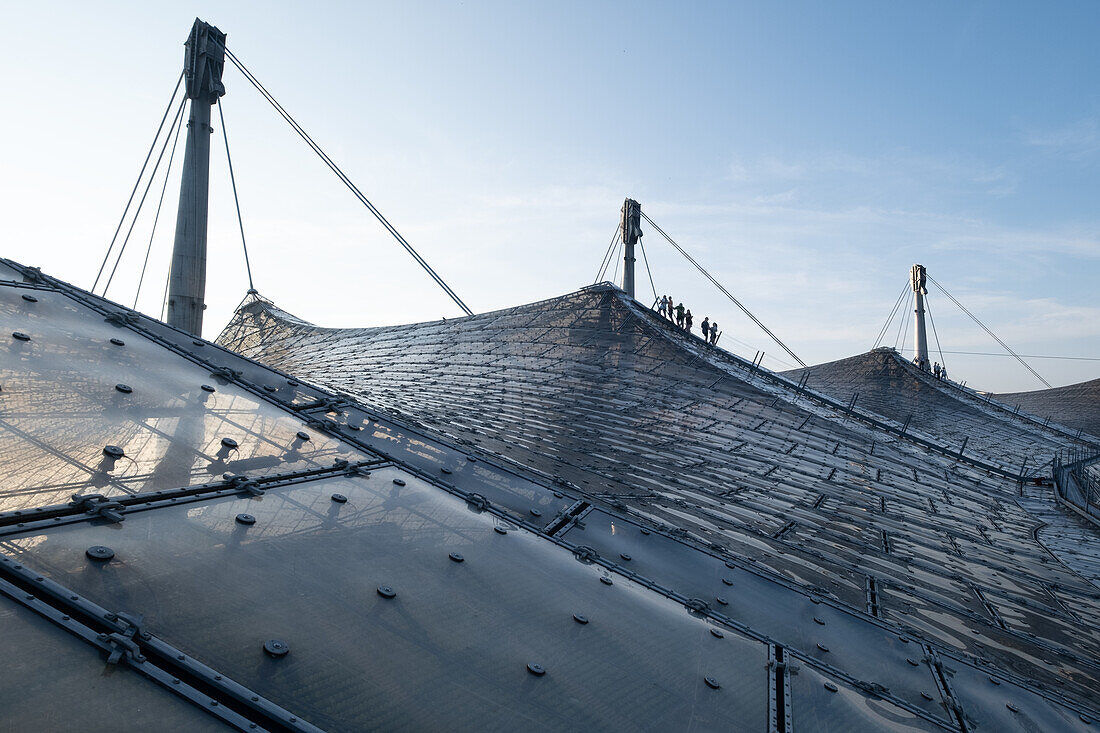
pixel 682 317
pixel 940 372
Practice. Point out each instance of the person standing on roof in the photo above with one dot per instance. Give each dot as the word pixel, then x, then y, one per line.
pixel 943 372
pixel 714 333
pixel 680 315
pixel 705 325
pixel 661 305
pixel 687 321
pixel 936 369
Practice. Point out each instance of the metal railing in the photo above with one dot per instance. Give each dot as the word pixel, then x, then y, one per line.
pixel 1077 481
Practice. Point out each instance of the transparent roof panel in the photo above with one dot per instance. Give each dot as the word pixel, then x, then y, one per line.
pixel 55 682
pixel 450 650
pixel 826 705
pixel 793 619
pixel 73 384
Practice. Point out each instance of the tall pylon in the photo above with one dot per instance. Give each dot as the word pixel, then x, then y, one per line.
pixel 204 59
pixel 917 277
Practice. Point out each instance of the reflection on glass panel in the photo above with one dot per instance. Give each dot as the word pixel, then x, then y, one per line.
pixel 402 606
pixel 78 384
pixel 55 682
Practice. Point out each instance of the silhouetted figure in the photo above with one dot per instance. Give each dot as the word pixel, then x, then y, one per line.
pixel 680 315
pixel 705 326
pixel 714 333
pixel 687 321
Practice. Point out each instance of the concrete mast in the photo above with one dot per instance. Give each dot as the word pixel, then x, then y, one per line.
pixel 204 58
pixel 631 229
pixel 920 338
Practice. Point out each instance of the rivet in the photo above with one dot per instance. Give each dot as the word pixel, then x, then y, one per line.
pixel 99 553
pixel 925 695
pixel 994 680
pixel 536 513
pixel 727 581
pixel 196 342
pixel 339 498
pixel 213 703
pixel 399 481
pixel 255 698
pixel 822 647
pixel 456 556
pixel 269 388
pixel 500 530
pixel 65 618
pixel 580 618
pixel 118 342
pixel 536 669
pixel 912 661
pixel 113 451
pixel 175 681
pixel 207 388
pixel 559 495
pixel 818 621
pixel 275 648
pixel 471 459
pixel 1085 719
pixel 1012 707
pixel 711 683
pixel 730 565
pixel 625 556
pixel 722 601
pixel 444 469
pixel 30 298
pixel 717 633
pixel 20 336
pixel 644 530
pixel 606 580
pixel 302 435
pixel 229 443
pixel 292 383
pixel 903 639
pixel 386 592
pixel 180 657
pixel 124 388
pixel 831 687
pixel 246 519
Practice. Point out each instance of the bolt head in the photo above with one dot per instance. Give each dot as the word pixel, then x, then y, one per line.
pixel 246 519
pixel 276 648
pixel 711 683
pixel 113 451
pixel 339 498
pixel 99 553
pixel 536 669
pixel 456 556
pixel 386 592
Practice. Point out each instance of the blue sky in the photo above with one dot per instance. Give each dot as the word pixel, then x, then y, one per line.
pixel 806 153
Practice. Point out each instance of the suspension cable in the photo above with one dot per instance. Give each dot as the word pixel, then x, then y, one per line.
pixel 903 325
pixel 725 292
pixel 890 319
pixel 932 320
pixel 1026 356
pixel 148 155
pixel 606 255
pixel 993 335
pixel 648 272
pixel 236 201
pixel 167 174
pixel 137 212
pixel 345 180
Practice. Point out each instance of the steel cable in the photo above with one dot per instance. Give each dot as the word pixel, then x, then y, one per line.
pixel 137 183
pixel 236 201
pixel 345 180
pixel 994 336
pixel 725 292
pixel 167 174
pixel 137 212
